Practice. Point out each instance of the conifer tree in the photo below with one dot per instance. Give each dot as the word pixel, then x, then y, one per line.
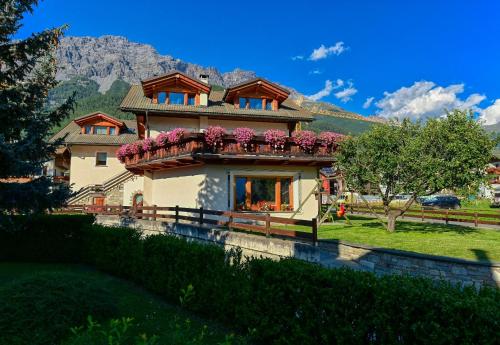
pixel 27 73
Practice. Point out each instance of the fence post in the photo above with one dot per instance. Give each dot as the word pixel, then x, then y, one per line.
pixel 177 213
pixel 268 224
pixel 201 215
pixel 120 210
pixel 315 230
pixel 230 220
pixel 423 214
pixel 476 221
pixel 154 212
pixel 134 211
pixel 447 211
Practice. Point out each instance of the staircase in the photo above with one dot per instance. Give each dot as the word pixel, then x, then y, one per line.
pixel 103 188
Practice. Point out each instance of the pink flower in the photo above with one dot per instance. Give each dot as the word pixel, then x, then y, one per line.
pixel 214 135
pixel 243 135
pixel 175 135
pixel 275 137
pixel 148 144
pixel 162 139
pixel 305 140
pixel 136 148
pixel 130 150
pixel 329 139
pixel 121 153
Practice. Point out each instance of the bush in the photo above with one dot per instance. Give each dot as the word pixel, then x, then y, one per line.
pixel 45 238
pixel 41 308
pixel 294 302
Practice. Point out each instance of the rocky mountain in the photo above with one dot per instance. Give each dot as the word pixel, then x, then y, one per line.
pixel 108 58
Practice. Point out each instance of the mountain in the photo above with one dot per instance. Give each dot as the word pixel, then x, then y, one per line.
pixel 101 69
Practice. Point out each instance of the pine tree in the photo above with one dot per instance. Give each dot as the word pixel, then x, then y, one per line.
pixel 27 73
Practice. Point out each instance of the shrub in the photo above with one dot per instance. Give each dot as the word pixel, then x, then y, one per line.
pixel 40 309
pixel 243 135
pixel 276 138
pixel 214 135
pixel 175 135
pixel 305 140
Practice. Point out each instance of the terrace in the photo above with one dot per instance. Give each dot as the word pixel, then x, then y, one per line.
pixel 193 149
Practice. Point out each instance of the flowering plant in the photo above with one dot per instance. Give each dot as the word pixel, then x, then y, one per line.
pixel 328 139
pixel 275 137
pixel 136 148
pixel 162 139
pixel 214 135
pixel 243 135
pixel 121 153
pixel 305 140
pixel 175 135
pixel 148 144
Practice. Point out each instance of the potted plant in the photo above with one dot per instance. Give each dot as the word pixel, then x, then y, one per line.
pixel 244 136
pixel 275 138
pixel 214 136
pixel 306 140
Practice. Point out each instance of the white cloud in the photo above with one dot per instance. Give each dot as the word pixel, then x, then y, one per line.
pixel 298 57
pixel 368 102
pixel 322 52
pixel 425 99
pixel 346 94
pixel 315 71
pixel 326 91
pixel 491 114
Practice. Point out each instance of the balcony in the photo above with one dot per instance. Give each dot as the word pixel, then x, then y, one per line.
pixel 192 150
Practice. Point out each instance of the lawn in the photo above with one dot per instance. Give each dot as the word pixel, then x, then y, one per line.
pixel 151 315
pixel 436 239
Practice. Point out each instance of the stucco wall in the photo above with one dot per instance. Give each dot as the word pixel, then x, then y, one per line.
pixel 211 186
pixel 131 187
pixel 83 169
pixel 158 124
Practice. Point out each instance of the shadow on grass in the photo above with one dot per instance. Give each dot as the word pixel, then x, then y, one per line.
pixel 405 226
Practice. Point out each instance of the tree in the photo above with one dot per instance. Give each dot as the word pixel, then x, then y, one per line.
pixel 27 73
pixel 449 153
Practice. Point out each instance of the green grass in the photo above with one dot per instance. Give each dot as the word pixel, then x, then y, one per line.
pixel 436 239
pixel 151 315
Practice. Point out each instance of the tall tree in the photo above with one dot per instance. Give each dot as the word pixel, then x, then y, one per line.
pixel 448 153
pixel 27 73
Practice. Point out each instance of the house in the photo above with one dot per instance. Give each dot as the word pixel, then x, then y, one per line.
pixel 87 160
pixel 203 167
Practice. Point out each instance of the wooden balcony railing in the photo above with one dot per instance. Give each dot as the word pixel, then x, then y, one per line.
pixel 193 147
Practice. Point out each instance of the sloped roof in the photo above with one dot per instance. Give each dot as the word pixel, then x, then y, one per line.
pixel 136 101
pixel 72 134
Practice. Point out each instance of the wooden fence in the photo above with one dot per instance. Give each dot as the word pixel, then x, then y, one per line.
pixel 265 224
pixel 447 216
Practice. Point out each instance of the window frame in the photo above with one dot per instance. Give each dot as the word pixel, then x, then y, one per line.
pixel 265 101
pixel 188 97
pixel 278 205
pixel 97 160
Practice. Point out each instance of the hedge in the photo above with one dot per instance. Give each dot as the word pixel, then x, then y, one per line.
pixel 290 302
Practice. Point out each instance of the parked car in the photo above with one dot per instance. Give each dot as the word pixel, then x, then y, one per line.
pixel 440 201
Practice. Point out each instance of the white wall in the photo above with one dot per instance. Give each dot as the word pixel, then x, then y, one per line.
pixel 131 187
pixel 83 169
pixel 211 186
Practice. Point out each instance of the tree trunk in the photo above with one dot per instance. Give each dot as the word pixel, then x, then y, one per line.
pixel 391 220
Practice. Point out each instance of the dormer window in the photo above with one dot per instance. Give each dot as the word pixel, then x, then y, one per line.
pixel 256 103
pixel 100 124
pixel 175 98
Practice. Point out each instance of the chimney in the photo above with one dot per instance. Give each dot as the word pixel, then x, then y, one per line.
pixel 204 78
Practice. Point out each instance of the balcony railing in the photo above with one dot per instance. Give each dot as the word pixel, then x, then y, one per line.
pixel 193 148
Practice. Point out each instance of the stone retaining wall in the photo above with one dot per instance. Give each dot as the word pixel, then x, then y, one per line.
pixel 328 253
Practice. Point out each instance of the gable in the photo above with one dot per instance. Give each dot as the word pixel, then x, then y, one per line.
pixel 175 82
pixel 256 88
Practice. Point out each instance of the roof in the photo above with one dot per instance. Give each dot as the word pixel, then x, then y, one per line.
pixel 135 101
pixel 99 115
pixel 72 134
pixel 174 77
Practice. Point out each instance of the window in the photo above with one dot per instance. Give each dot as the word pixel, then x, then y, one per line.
pixel 176 98
pixel 162 97
pixel 88 129
pixel 112 130
pixel 101 130
pixel 269 104
pixel 101 158
pixel 263 194
pixel 191 99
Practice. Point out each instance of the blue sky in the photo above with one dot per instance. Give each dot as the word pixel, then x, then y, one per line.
pixel 413 57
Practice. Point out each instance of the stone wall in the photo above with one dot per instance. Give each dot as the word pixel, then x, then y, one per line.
pixel 327 253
